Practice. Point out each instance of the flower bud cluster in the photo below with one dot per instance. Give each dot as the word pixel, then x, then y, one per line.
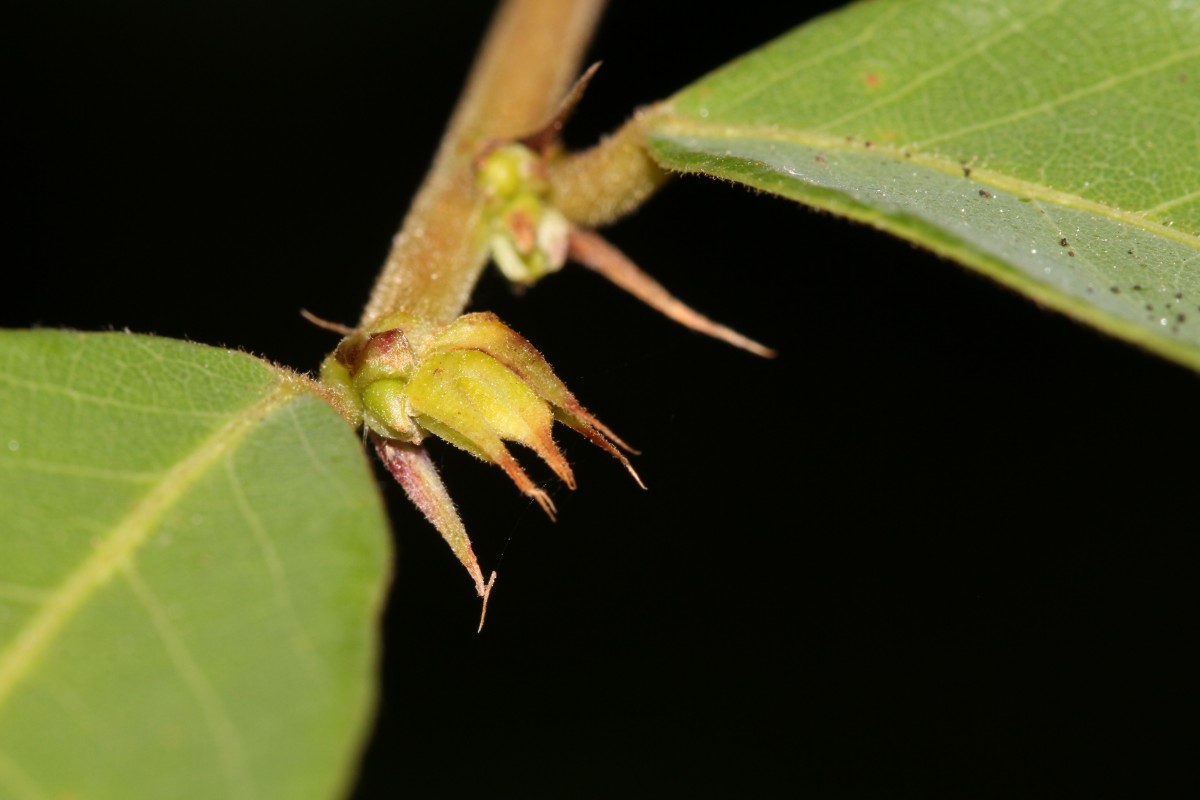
pixel 528 237
pixel 475 383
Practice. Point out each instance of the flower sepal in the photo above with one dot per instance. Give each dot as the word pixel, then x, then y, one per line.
pixel 475 383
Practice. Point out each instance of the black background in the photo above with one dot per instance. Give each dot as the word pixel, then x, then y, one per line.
pixel 943 546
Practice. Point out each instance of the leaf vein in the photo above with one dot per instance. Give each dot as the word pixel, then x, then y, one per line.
pixel 864 36
pixel 982 46
pixel 275 570
pixel 125 537
pixel 1174 202
pixel 679 130
pixel 306 443
pixel 230 750
pixel 1110 82
pixel 84 397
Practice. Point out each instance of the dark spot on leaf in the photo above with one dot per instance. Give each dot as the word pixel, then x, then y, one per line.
pixel 984 193
pixel 1137 287
pixel 1071 253
pixel 1181 317
pixel 1129 251
pixel 1063 241
pixel 867 143
pixel 820 158
pixel 966 172
pixel 1115 290
pixel 1149 307
pixel 1179 295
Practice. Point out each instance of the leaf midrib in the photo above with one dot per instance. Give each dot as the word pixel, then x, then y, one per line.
pixel 683 126
pixel 126 537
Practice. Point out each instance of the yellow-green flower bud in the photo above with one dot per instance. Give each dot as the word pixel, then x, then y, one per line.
pixel 475 383
pixel 386 410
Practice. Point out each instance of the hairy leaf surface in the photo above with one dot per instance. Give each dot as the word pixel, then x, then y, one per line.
pixel 1052 145
pixel 192 562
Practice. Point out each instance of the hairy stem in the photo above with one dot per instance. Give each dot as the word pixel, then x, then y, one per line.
pixel 528 60
pixel 604 183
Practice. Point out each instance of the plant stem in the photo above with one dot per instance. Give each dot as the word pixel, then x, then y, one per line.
pixel 530 56
pixel 604 183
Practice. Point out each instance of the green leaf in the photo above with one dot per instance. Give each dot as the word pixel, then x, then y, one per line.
pixel 192 563
pixel 1052 145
